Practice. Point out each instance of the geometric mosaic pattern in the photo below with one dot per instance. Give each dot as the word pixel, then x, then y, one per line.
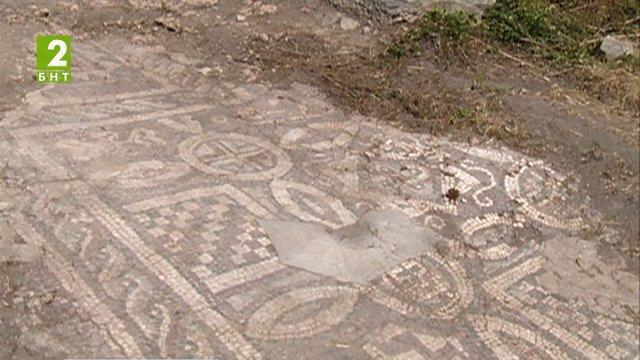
pixel 148 211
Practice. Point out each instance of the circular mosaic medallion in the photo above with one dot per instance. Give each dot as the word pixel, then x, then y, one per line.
pixel 237 156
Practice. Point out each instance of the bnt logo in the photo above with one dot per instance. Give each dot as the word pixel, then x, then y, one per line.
pixel 53 58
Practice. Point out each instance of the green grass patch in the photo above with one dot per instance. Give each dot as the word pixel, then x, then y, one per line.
pixel 565 32
pixel 435 24
pixel 462 114
pixel 562 31
pixel 564 35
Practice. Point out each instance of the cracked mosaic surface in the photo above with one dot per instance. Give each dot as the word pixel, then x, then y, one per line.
pixel 146 198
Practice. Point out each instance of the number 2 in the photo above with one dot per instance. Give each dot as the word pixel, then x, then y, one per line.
pixel 57 60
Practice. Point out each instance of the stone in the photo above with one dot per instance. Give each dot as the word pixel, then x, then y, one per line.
pixel 267 9
pixel 615 47
pixel 348 24
pixel 359 253
pixel 205 71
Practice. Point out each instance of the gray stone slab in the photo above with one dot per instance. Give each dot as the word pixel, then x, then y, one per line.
pixel 360 252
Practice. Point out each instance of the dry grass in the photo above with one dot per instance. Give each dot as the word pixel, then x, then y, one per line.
pixel 397 90
pixel 564 36
pixel 616 85
pixel 386 84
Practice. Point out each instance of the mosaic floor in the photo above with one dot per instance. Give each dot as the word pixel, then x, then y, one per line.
pixel 145 192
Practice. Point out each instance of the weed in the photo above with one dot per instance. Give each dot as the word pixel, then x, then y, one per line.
pixel 516 20
pixel 452 25
pixel 447 26
pixel 453 194
pixel 567 32
pixel 462 114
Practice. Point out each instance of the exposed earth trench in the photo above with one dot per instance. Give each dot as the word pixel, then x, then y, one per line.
pixel 245 179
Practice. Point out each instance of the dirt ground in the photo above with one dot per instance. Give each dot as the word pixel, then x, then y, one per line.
pixel 246 62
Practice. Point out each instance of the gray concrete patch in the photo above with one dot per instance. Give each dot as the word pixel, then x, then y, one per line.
pixel 360 252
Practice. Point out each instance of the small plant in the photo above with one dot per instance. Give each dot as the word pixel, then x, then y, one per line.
pixel 396 49
pixel 453 25
pixel 462 114
pixel 517 20
pixel 449 26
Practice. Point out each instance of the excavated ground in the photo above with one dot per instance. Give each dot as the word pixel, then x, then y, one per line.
pixel 136 203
